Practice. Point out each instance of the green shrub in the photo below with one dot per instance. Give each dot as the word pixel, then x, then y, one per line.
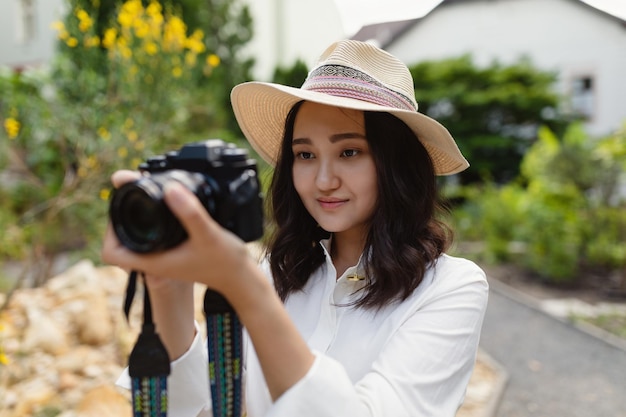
pixel 566 211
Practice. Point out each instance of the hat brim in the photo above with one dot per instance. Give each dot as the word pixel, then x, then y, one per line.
pixel 261 110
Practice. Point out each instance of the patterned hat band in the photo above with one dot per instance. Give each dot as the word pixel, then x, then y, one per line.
pixel 341 81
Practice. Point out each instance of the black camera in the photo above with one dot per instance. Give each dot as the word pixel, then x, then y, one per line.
pixel 221 175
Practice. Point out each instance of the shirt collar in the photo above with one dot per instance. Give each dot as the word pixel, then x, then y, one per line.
pixel 354 273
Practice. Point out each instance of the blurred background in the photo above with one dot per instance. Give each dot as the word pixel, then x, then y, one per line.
pixel 532 90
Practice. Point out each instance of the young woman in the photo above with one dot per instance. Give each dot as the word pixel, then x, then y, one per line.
pixel 356 310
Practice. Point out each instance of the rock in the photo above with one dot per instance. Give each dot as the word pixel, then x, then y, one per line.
pixel 44 334
pixel 68 380
pixel 93 321
pixel 104 401
pixel 33 396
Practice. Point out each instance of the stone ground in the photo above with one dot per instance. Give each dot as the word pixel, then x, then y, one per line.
pixel 67 341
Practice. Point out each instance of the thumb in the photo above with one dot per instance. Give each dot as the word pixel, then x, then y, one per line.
pixel 187 208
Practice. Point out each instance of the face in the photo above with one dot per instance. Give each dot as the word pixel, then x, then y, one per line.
pixel 333 170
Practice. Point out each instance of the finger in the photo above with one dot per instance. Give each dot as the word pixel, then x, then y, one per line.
pixel 114 253
pixel 121 177
pixel 187 208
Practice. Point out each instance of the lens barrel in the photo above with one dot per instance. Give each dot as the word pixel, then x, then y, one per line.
pixel 141 219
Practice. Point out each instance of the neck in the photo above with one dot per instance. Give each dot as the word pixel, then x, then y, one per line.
pixel 345 251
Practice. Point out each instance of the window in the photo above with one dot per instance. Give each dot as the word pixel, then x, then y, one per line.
pixel 26 23
pixel 583 96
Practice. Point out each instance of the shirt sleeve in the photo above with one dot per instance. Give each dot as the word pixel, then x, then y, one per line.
pixel 187 385
pixel 423 370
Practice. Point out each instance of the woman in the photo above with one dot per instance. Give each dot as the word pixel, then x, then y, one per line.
pixel 364 313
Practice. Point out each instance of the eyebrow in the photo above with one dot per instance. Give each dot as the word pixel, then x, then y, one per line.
pixel 333 139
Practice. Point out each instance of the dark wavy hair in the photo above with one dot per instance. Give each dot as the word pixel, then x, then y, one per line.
pixel 405 234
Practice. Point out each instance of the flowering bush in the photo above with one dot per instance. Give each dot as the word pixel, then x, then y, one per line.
pixel 64 131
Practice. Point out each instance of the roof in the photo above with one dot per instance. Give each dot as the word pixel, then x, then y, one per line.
pixel 385 33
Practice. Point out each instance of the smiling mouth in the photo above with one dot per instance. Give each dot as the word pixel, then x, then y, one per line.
pixel 331 203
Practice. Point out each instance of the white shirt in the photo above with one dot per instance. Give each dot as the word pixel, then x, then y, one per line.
pixel 413 358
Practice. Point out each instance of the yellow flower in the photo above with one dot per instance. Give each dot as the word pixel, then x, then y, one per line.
pixel 190 59
pixel 12 127
pixel 174 34
pixel 126 52
pixel 194 42
pixel 92 41
pixel 135 163
pixel 85 21
pixel 156 21
pixel 122 152
pixel 130 11
pixel 142 29
pixel 177 72
pixel 132 7
pixel 81 14
pixel 104 133
pixel 140 146
pixel 4 360
pixel 82 172
pixel 71 42
pixel 132 136
pixel 91 162
pixel 109 38
pixel 151 48
pixel 154 9
pixel 128 123
pixel 213 60
pixel 58 26
pixel 125 19
pixel 105 193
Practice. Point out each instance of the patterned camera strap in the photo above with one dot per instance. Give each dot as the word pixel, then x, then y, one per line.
pixel 225 341
pixel 149 362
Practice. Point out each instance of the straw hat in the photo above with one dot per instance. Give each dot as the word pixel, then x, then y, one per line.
pixel 349 74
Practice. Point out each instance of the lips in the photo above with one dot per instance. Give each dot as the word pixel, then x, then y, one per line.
pixel 331 203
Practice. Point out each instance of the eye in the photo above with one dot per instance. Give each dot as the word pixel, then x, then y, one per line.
pixel 349 153
pixel 304 155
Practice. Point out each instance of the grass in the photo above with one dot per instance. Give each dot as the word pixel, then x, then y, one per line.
pixel 613 323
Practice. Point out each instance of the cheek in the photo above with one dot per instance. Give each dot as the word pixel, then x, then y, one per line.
pixel 369 186
pixel 371 191
pixel 299 179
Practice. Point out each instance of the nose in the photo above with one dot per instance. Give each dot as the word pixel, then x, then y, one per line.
pixel 326 177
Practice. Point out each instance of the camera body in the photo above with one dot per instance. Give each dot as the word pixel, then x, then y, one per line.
pixel 221 175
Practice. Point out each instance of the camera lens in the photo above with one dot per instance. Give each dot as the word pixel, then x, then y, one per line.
pixel 141 219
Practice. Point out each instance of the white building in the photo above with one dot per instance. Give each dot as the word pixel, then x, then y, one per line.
pixel 284 31
pixel 26 38
pixel 287 30
pixel 585 46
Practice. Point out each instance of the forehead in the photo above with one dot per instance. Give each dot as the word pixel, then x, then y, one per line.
pixel 315 115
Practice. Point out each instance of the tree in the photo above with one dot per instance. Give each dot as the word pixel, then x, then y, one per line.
pixel 493 113
pixel 292 76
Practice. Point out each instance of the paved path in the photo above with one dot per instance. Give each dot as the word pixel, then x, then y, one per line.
pixel 554 369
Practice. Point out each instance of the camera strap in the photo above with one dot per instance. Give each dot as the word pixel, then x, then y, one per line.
pixel 149 362
pixel 225 341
